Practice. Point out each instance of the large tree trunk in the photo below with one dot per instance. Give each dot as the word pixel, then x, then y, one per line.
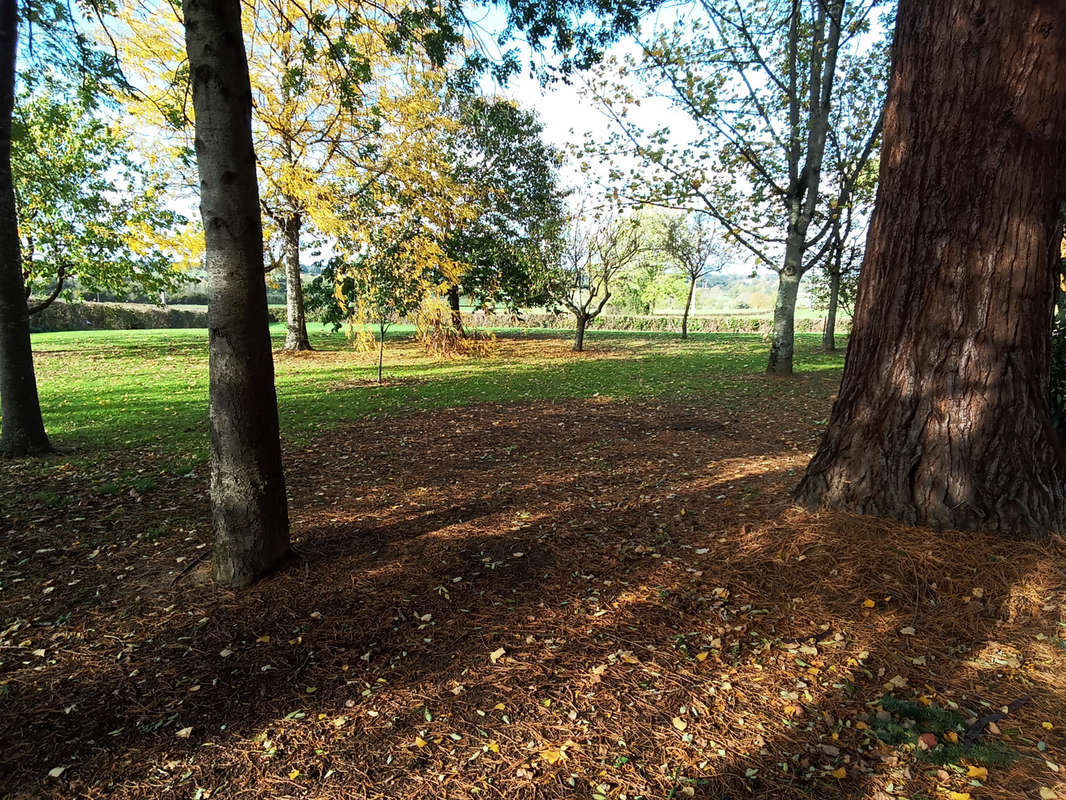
pixel 579 338
pixel 943 416
pixel 296 319
pixel 453 304
pixel 22 430
pixel 688 307
pixel 829 339
pixel 783 344
pixel 248 504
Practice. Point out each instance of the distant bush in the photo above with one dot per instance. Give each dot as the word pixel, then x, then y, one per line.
pixel 62 316
pixel 621 322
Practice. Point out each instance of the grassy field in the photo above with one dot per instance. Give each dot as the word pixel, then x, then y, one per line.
pixel 108 390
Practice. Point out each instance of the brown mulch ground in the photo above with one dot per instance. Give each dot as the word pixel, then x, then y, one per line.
pixel 582 599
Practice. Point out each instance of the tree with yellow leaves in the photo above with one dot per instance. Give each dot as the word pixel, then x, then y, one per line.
pixel 336 127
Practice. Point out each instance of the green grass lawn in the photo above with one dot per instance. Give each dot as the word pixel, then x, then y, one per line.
pixel 104 391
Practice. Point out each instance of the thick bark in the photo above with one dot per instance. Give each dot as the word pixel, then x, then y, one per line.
pixel 453 304
pixel 248 504
pixel 688 307
pixel 296 318
pixel 22 432
pixel 579 338
pixel 783 343
pixel 943 414
pixel 829 340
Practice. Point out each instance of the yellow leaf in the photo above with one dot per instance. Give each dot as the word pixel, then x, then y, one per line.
pixel 1048 794
pixel 493 747
pixel 868 603
pixel 958 796
pixel 952 737
pixel 263 640
pixel 840 773
pixel 552 756
pixel 861 726
pixel 499 707
pixel 294 774
pixel 701 656
pixel 420 742
pixel 679 723
pixel 979 773
pixel 496 655
pixel 1046 726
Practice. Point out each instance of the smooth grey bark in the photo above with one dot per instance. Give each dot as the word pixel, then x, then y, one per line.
pixel 22 432
pixel 296 337
pixel 688 307
pixel 248 504
pixel 829 341
pixel 782 345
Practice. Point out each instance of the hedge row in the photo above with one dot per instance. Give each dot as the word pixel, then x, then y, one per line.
pixel 60 316
pixel 719 324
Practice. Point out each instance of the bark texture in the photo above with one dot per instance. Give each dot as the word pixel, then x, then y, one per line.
pixel 453 304
pixel 248 504
pixel 783 341
pixel 296 337
pixel 943 414
pixel 688 308
pixel 829 335
pixel 579 337
pixel 22 428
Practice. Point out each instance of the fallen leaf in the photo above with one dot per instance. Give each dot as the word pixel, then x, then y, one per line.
pixel 679 723
pixel 226 653
pixel 958 796
pixel 420 742
pixel 294 774
pixel 978 773
pixel 55 772
pixel 868 603
pixel 496 655
pixel 184 733
pixel 553 755
pixel 927 741
pixel 952 737
pixel 839 773
pixel 908 631
pixel 1048 794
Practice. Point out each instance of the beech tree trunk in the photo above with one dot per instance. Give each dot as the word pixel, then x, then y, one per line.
pixel 783 341
pixel 579 338
pixel 943 414
pixel 296 318
pixel 21 428
pixel 453 304
pixel 688 308
pixel 829 338
pixel 248 504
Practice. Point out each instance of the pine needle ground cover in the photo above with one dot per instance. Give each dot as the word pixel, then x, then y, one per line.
pixel 530 575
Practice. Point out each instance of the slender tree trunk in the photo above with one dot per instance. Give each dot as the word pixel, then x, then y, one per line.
pixel 688 307
pixel 296 335
pixel 829 341
pixel 579 339
pixel 248 504
pixel 453 304
pixel 381 351
pixel 943 415
pixel 22 431
pixel 783 344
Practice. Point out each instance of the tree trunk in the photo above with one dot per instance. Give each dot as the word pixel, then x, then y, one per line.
pixel 688 307
pixel 453 304
pixel 783 344
pixel 296 336
pixel 22 431
pixel 381 353
pixel 248 504
pixel 579 339
pixel 943 414
pixel 829 341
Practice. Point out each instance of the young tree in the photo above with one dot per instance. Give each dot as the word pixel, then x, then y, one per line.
pixel 509 176
pixel 759 81
pixel 89 211
pixel 23 426
pixel 695 249
pixel 943 418
pixel 591 259
pixel 248 505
